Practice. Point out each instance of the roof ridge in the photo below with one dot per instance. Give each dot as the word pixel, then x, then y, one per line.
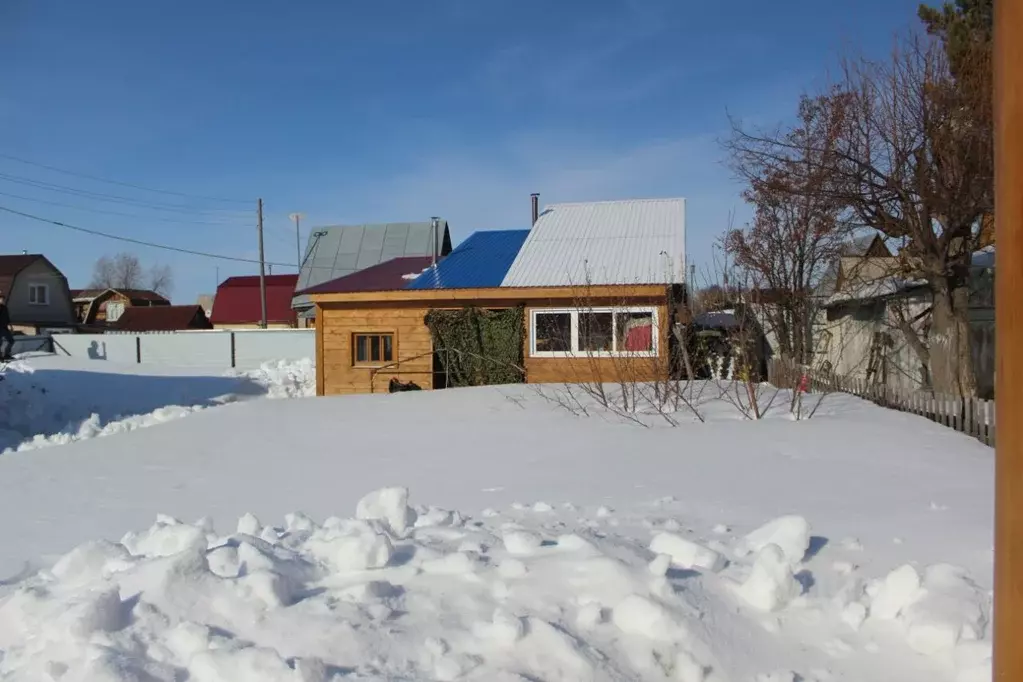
pixel 341 226
pixel 617 201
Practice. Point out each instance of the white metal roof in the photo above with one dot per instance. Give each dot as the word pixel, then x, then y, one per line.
pixel 638 241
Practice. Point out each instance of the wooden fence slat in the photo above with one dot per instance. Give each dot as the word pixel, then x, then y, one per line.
pixel 968 416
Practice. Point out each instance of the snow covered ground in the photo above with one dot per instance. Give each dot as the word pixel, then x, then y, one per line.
pixel 535 545
pixel 49 400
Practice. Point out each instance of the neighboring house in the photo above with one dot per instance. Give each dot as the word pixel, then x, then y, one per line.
pixel 37 294
pixel 862 331
pixel 237 303
pixel 594 282
pixel 163 319
pixel 341 250
pixel 105 306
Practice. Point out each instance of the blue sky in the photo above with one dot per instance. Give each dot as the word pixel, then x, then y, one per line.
pixel 388 111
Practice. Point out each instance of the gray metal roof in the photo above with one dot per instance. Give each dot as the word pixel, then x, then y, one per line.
pixel 339 250
pixel 638 241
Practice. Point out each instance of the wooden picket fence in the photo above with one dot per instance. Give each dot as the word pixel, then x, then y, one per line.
pixel 971 416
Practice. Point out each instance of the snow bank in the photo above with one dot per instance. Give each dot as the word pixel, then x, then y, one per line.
pixel 64 402
pixel 285 378
pixel 427 593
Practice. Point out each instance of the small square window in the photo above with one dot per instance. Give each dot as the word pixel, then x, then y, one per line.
pixel 38 294
pixel 553 332
pixel 372 349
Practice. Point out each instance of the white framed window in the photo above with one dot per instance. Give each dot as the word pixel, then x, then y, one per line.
pixel 610 332
pixel 38 294
pixel 114 310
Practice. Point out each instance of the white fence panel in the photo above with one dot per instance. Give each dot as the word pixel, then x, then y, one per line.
pixel 187 349
pixel 254 347
pixel 110 347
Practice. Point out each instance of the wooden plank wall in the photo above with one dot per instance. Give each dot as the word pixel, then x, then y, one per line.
pixel 412 347
pixel 337 322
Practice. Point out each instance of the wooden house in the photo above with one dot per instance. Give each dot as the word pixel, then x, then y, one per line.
pixel 105 306
pixel 588 293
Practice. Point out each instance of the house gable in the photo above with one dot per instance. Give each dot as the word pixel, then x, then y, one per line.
pixel 37 292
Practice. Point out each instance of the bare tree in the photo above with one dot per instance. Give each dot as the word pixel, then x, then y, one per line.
pixel 161 279
pixel 125 271
pixel 797 231
pixel 912 159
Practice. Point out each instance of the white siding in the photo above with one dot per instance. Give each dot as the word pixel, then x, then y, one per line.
pixel 253 348
pixel 187 349
pixel 115 348
pixel 609 242
pixel 205 349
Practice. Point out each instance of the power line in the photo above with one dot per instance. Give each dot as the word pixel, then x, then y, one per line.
pixel 140 242
pixel 21 180
pixel 118 213
pixel 116 182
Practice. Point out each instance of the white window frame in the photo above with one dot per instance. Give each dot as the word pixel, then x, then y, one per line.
pixel 33 297
pixel 574 352
pixel 115 306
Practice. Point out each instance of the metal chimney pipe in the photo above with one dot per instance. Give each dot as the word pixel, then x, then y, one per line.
pixel 435 225
pixel 535 201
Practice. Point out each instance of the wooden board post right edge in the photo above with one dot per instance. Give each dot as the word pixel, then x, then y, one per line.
pixel 1008 100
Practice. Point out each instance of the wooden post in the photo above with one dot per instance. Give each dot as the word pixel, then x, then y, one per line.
pixel 1008 98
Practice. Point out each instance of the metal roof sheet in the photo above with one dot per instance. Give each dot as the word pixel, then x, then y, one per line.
pixel 480 261
pixel 238 302
pixel 340 250
pixel 389 275
pixel 638 241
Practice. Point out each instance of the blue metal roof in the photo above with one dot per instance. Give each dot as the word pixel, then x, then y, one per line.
pixel 480 261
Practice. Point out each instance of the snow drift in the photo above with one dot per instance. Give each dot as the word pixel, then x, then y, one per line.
pixel 398 593
pixel 53 401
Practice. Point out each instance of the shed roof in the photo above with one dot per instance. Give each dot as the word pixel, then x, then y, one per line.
pixel 482 260
pixel 390 275
pixel 640 241
pixel 162 318
pixel 132 294
pixel 237 300
pixel 340 250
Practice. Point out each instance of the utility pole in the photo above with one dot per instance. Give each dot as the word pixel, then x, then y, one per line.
pixel 1008 99
pixel 297 217
pixel 262 267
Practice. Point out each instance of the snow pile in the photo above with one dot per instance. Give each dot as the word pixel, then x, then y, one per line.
pixel 398 593
pixel 285 378
pixel 60 406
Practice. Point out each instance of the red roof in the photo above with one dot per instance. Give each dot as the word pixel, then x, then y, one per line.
pixel 386 276
pixel 237 300
pixel 163 318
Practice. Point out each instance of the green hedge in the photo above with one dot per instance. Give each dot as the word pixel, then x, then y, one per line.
pixel 479 347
